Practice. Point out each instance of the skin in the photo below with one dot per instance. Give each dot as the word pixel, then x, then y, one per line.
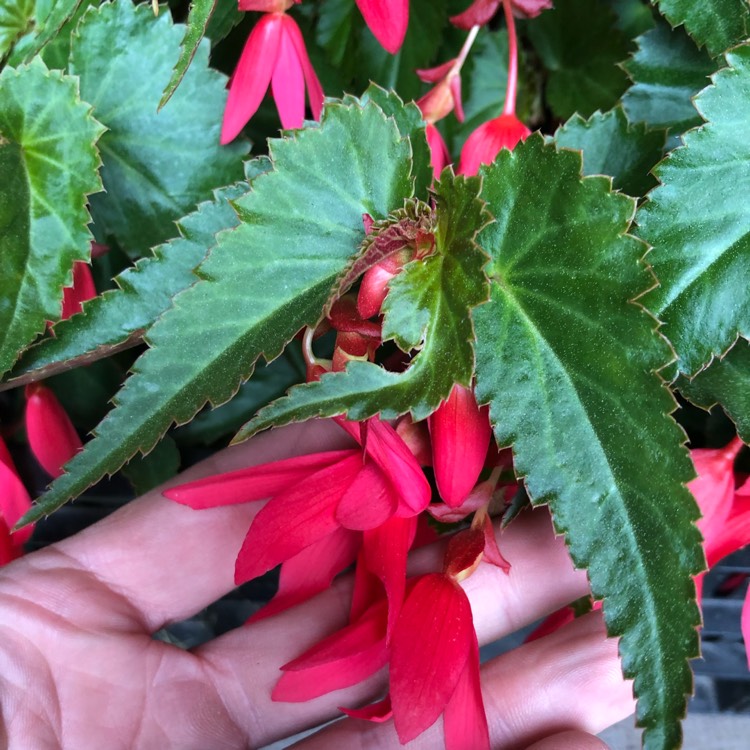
pixel 79 669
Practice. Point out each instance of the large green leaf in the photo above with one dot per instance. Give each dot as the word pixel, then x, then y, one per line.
pixel 48 166
pixel 717 24
pixel 262 282
pixel 566 363
pixel 581 47
pixel 428 307
pixel 15 19
pixel 613 147
pixel 120 317
pixel 698 222
pixel 667 71
pixel 727 382
pixel 49 22
pixel 195 29
pixel 157 166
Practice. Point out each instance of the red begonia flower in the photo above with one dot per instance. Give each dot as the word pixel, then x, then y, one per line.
pixel 485 143
pixel 432 647
pixel 460 433
pixel 82 290
pixel 481 12
pixel 274 54
pixel 14 502
pixel 440 157
pixel 312 571
pixel 388 20
pixel 374 288
pixel 52 438
pixel 375 712
pixel 343 659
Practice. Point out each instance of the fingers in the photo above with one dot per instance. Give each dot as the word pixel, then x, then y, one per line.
pixel 169 561
pixel 246 662
pixel 551 694
pixel 570 741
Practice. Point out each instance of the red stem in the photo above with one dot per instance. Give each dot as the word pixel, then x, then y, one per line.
pixel 510 93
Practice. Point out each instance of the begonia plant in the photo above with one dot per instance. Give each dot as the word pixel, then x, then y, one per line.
pixel 497 242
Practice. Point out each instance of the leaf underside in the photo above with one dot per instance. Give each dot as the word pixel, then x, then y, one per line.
pixel 262 282
pixel 725 381
pixel 428 307
pixel 566 364
pixel 48 166
pixel 698 222
pixel 158 165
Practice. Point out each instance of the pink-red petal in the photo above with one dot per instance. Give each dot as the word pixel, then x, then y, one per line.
pixel 295 519
pixel 465 721
pixel 478 13
pixel 429 648
pixel 252 75
pixel 387 19
pixel 440 157
pixel 81 291
pixel 254 482
pixel 485 143
pixel 52 438
pixel 368 502
pixel 288 82
pixel 375 712
pixel 314 89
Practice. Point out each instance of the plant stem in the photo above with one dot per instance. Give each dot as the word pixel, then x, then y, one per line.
pixel 510 93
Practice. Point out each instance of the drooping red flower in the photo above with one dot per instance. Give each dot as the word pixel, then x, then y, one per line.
pixel 14 502
pixel 52 438
pixel 434 666
pixel 484 144
pixel 274 54
pixel 388 20
pixel 480 12
pixel 460 433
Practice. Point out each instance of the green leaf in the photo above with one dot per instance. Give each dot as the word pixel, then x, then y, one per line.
pixel 223 19
pixel 566 363
pixel 698 222
pixel 717 24
pixel 119 318
pixel 50 23
pixel 263 282
pixel 611 146
pixel 195 29
pixel 725 381
pixel 428 307
pixel 48 166
pixel 667 71
pixel 157 166
pixel 334 27
pixel 15 18
pixel 426 21
pixel 581 47
pixel 147 472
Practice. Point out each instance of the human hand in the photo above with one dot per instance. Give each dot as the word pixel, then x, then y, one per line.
pixel 79 668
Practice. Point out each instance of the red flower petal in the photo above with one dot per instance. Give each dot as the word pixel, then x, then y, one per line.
pixel 83 289
pixel 465 720
pixel 430 645
pixel 295 519
pixel 476 499
pixel 255 482
pixel 492 553
pixel 433 75
pixel 314 89
pixel 530 8
pixel 288 82
pixel 460 433
pixel 368 589
pixel 745 625
pixel 385 550
pixel 478 13
pixel 387 19
pixel 440 157
pixel 375 712
pixel 52 438
pixel 311 571
pixel 368 502
pixel 14 500
pixel 485 143
pixel 551 623
pixel 458 105
pixel 341 660
pixel 252 75
pixel 373 290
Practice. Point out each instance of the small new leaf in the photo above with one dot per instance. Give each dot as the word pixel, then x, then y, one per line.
pixel 262 282
pixel 566 363
pixel 698 222
pixel 48 167
pixel 428 307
